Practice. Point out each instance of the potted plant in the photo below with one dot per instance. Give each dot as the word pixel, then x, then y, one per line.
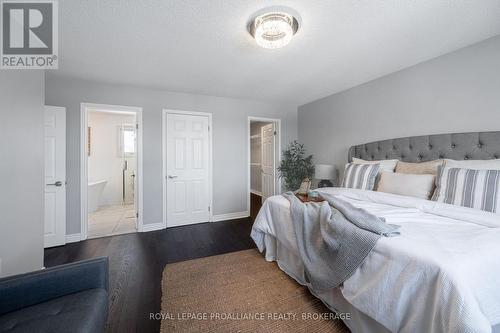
pixel 295 166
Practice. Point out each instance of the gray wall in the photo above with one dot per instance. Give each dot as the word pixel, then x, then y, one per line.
pixel 229 135
pixel 21 171
pixel 457 92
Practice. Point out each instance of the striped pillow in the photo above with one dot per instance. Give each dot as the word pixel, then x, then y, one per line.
pixel 469 188
pixel 360 176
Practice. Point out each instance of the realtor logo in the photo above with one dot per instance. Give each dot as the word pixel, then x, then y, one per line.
pixel 29 34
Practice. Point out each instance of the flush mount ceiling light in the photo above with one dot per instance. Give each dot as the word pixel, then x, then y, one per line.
pixel 273 29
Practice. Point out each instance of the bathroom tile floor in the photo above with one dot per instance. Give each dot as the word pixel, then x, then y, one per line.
pixel 112 220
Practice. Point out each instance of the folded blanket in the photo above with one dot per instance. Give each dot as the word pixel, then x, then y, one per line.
pixel 334 238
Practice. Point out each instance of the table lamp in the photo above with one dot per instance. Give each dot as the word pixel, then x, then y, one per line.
pixel 325 173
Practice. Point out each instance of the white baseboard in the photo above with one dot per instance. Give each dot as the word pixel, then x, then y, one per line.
pixel 230 216
pixel 72 238
pixel 152 227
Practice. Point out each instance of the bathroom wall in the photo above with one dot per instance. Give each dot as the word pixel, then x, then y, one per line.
pixel 105 161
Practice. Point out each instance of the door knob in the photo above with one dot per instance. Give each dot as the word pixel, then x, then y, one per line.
pixel 171 177
pixel 58 184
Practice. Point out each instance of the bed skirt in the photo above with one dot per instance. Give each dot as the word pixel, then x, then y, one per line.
pixel 290 263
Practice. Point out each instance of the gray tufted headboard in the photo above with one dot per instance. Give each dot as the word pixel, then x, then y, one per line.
pixel 459 146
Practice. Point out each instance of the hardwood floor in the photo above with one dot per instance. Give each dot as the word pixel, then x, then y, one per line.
pixel 255 204
pixel 136 262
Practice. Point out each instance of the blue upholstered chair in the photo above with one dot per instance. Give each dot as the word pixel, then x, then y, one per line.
pixel 67 298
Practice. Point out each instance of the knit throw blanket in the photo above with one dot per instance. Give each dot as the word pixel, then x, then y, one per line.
pixel 334 238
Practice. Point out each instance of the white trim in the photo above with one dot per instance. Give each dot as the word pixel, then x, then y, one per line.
pixel 164 165
pixel 152 227
pixel 83 171
pixel 230 216
pixel 210 158
pixel 73 238
pixel 277 151
pixel 84 108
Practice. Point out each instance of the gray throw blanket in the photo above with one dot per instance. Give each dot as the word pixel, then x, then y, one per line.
pixel 334 238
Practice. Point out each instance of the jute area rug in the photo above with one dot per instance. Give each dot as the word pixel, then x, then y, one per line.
pixel 239 292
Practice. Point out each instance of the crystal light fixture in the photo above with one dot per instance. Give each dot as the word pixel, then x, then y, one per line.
pixel 273 30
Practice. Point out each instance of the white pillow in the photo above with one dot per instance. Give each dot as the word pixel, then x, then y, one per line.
pixel 385 165
pixel 473 164
pixel 418 186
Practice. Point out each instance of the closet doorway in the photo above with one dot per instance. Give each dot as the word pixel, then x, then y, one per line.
pixel 264 155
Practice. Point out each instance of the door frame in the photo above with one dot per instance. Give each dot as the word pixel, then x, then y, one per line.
pixel 84 109
pixel 277 154
pixel 166 112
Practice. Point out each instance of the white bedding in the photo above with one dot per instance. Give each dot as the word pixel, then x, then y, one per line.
pixel 441 275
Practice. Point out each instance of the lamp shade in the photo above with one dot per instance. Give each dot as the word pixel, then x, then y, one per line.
pixel 324 171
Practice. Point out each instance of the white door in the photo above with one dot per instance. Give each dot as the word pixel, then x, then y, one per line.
pixel 55 176
pixel 267 159
pixel 135 181
pixel 188 167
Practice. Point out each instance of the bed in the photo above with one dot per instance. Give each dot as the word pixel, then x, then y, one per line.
pixel 442 274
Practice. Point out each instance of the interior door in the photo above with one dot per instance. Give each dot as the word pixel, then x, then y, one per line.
pixel 135 179
pixel 188 168
pixel 55 176
pixel 136 175
pixel 267 160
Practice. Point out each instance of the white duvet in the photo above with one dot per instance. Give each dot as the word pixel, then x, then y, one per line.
pixel 442 274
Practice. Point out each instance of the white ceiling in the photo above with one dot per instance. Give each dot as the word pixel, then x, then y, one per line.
pixel 202 46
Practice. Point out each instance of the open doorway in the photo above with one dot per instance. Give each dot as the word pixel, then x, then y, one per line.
pixel 111 171
pixel 264 153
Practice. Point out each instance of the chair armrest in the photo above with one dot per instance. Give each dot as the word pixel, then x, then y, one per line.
pixel 24 290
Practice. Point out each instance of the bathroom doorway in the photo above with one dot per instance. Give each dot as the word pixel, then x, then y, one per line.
pixel 111 169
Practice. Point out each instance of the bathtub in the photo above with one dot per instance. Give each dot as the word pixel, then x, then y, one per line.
pixel 94 192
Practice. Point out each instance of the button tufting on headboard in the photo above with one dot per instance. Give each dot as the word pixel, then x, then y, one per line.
pixel 458 146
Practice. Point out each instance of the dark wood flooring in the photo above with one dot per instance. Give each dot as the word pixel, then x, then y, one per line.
pixel 137 262
pixel 255 204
